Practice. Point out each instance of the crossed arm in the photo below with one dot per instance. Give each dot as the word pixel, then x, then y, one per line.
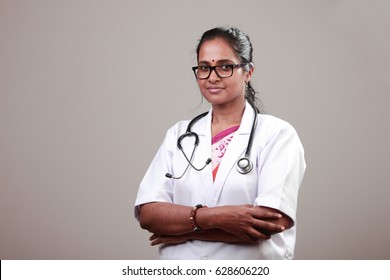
pixel 170 223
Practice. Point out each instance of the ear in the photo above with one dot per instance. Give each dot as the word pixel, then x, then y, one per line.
pixel 249 73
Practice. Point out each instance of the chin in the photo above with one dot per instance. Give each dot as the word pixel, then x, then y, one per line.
pixel 214 99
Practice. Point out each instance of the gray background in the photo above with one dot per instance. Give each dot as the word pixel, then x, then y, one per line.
pixel 88 89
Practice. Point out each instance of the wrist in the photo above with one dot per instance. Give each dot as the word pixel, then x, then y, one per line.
pixel 193 217
pixel 206 218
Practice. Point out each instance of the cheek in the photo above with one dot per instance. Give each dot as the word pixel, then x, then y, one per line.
pixel 237 86
pixel 201 85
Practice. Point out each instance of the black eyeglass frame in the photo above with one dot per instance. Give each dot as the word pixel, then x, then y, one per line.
pixel 211 68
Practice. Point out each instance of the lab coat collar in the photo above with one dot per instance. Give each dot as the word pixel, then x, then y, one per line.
pixel 204 128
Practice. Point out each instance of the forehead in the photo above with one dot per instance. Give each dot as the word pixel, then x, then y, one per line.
pixel 216 50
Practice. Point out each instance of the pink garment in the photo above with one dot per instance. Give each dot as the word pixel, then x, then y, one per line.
pixel 219 144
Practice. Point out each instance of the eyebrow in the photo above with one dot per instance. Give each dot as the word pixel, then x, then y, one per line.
pixel 218 62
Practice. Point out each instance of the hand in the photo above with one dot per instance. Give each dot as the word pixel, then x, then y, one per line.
pixel 245 221
pixel 168 239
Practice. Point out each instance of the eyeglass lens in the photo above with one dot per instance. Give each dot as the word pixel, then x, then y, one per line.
pixel 223 71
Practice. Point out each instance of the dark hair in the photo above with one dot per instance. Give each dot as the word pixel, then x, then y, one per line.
pixel 242 47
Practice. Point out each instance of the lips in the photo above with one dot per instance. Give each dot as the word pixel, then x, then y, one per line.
pixel 214 89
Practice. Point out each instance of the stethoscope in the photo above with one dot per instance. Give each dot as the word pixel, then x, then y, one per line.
pixel 244 164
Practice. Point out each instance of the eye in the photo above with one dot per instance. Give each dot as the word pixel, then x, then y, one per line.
pixel 203 68
pixel 225 68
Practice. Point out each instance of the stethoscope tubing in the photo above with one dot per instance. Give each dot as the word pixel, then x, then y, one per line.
pixel 244 164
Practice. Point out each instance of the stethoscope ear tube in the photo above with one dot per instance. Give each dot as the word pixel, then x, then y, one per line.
pixel 187 134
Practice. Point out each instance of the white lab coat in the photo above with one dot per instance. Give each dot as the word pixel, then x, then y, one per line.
pixel 279 166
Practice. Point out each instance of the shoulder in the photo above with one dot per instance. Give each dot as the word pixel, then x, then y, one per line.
pixel 197 124
pixel 272 130
pixel 272 124
pixel 178 127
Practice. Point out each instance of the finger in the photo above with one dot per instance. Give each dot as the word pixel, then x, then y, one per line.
pixel 154 236
pixel 250 238
pixel 260 224
pixel 258 235
pixel 156 241
pixel 260 213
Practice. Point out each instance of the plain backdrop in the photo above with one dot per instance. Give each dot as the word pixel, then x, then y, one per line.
pixel 89 88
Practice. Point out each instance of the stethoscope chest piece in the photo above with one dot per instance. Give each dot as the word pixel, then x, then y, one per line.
pixel 244 165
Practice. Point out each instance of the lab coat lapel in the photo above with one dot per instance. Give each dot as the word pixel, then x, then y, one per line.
pixel 234 152
pixel 204 149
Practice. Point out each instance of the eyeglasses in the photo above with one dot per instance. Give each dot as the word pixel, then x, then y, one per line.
pixel 223 71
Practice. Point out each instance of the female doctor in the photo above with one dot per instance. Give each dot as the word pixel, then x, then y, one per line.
pixel 232 175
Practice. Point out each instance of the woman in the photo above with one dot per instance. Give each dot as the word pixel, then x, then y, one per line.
pixel 243 204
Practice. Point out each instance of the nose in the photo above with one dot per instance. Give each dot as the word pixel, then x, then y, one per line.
pixel 213 76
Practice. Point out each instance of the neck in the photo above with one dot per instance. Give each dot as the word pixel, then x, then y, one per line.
pixel 229 112
pixel 227 115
